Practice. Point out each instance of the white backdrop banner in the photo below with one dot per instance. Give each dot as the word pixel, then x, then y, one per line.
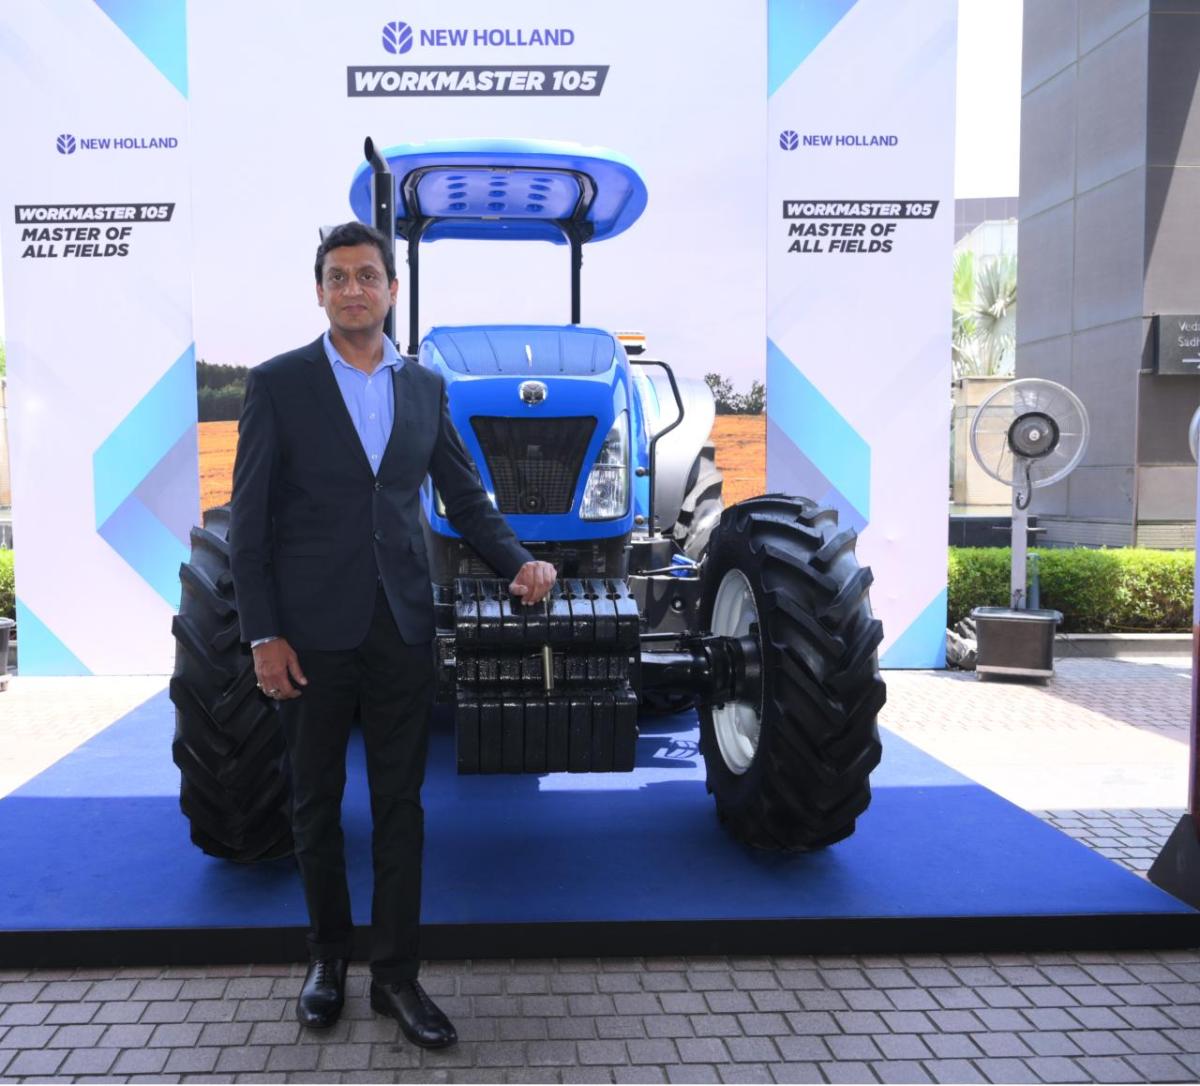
pixel 276 143
pixel 130 122
pixel 860 214
pixel 95 235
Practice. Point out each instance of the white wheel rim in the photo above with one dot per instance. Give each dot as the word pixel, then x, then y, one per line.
pixel 737 724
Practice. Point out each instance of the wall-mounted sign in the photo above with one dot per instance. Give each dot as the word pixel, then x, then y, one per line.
pixel 1177 343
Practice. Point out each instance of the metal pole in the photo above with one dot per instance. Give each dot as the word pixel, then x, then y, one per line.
pixel 414 288
pixel 1020 538
pixel 383 211
pixel 1194 775
pixel 576 269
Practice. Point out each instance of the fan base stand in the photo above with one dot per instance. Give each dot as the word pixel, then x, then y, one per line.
pixel 1177 869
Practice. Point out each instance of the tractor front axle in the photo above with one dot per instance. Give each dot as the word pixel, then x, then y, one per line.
pixel 710 668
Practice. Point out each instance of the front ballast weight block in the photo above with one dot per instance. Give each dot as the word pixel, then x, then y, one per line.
pixel 547 688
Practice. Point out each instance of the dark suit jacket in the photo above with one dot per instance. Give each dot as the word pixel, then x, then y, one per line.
pixel 313 530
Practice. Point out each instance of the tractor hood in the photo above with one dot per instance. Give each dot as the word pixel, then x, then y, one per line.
pixel 507 190
pixel 525 350
pixel 534 405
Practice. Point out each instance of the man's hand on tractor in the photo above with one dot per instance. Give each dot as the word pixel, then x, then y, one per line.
pixel 533 582
pixel 277 667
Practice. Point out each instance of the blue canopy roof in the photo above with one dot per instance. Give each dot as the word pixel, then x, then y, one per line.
pixel 507 189
pixel 525 349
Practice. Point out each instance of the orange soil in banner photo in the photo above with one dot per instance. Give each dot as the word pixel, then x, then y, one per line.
pixel 741 442
pixel 218 443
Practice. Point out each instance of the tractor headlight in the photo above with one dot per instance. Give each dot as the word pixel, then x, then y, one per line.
pixel 607 492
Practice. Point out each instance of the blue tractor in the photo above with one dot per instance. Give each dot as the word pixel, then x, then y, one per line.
pixel 757 615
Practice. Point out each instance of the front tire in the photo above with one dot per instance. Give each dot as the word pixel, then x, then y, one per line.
pixel 790 770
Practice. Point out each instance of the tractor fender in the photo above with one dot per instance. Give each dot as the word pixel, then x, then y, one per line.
pixel 677 451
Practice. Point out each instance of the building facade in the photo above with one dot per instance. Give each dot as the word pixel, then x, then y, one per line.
pixel 1109 226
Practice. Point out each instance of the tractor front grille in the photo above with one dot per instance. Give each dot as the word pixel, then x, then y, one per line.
pixel 534 463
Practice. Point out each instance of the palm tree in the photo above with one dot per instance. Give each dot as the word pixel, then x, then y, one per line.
pixel 985 316
pixel 962 334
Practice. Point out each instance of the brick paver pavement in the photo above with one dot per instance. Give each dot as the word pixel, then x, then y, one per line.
pixel 1126 1016
pixel 43 719
pixel 1103 734
pixel 1132 837
pixel 1081 1017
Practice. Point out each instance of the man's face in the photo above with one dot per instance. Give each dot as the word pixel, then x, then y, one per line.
pixel 354 290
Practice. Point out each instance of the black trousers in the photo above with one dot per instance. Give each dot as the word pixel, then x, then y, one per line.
pixel 392 685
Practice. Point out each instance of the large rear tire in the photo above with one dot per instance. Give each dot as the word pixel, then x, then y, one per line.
pixel 791 770
pixel 228 743
pixel 702 504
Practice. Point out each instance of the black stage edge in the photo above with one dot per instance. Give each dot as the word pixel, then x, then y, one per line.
pixel 1177 869
pixel 884 935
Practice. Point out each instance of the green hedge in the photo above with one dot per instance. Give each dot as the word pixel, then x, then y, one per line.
pixel 1096 590
pixel 8 592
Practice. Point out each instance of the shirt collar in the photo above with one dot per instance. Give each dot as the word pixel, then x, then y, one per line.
pixel 391 357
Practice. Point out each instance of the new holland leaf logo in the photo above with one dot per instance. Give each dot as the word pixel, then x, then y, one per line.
pixel 397 37
pixel 66 144
pixel 788 140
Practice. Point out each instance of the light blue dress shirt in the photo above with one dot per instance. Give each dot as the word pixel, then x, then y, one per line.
pixel 369 398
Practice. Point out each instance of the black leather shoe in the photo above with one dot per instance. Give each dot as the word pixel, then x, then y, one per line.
pixel 419 1017
pixel 323 994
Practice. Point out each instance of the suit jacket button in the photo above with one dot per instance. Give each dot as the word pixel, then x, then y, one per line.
pixel 379 537
pixel 379 486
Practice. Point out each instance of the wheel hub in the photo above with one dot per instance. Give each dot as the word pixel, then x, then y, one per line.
pixel 736 723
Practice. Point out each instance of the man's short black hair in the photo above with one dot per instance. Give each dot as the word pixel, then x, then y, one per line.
pixel 355 233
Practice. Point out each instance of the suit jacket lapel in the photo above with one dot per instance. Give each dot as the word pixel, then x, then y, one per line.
pixel 325 387
pixel 404 414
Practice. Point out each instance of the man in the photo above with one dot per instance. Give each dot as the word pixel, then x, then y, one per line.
pixel 333 589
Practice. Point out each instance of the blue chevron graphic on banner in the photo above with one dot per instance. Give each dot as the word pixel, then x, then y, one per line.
pixel 794 29
pixel 145 480
pixel 159 29
pixel 42 650
pixel 801 476
pixel 817 429
pixel 923 643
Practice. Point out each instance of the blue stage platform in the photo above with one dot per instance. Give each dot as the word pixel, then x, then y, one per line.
pixel 98 868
